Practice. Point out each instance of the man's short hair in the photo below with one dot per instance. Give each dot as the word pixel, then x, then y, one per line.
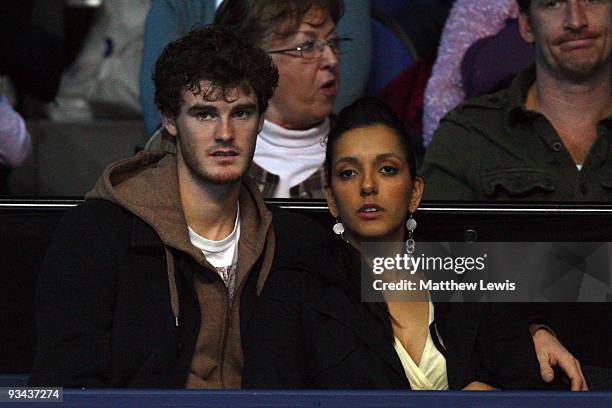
pixel 262 21
pixel 216 55
pixel 524 6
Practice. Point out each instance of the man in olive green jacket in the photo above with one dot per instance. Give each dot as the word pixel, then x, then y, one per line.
pixel 547 137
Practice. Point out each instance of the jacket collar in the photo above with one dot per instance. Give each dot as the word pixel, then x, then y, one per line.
pixel 517 95
pixel 457 324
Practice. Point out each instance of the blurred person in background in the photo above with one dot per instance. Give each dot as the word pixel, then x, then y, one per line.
pixel 33 56
pixel 102 81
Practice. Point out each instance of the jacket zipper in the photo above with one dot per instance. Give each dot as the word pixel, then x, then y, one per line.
pixel 229 308
pixel 228 322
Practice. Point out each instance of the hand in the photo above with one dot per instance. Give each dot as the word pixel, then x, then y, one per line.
pixel 550 352
pixel 478 386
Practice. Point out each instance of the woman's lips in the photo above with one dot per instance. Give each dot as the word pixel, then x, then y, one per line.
pixel 329 88
pixel 370 212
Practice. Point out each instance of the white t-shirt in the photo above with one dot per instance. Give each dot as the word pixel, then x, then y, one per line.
pixel 293 155
pixel 223 254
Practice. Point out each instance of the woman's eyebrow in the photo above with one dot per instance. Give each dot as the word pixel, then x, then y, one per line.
pixel 379 157
pixel 312 33
pixel 347 159
pixel 384 156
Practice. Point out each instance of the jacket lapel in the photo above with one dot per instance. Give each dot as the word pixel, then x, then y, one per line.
pixel 335 303
pixel 457 326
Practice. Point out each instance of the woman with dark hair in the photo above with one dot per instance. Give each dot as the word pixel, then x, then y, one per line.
pixel 311 329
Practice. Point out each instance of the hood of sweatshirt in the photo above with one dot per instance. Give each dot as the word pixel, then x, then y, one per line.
pixel 147 186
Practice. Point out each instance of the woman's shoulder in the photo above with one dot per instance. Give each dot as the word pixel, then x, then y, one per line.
pixel 297 278
pixel 297 238
pixel 308 275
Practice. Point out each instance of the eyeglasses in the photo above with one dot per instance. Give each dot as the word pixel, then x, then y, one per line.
pixel 313 49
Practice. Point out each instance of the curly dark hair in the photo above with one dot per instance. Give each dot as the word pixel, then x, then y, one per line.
pixel 364 112
pixel 524 5
pixel 217 55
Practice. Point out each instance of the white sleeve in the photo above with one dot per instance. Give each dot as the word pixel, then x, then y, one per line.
pixel 15 142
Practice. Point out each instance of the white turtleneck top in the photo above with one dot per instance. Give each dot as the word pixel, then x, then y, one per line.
pixel 293 155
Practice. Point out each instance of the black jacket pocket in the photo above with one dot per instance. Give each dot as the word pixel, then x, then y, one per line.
pixel 606 181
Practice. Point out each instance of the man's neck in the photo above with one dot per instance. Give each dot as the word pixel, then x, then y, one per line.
pixel 573 108
pixel 210 209
pixel 588 101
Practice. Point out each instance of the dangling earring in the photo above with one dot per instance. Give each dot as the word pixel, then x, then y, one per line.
pixel 338 229
pixel 411 225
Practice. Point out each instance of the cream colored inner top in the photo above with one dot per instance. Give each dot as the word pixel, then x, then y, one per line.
pixel 431 374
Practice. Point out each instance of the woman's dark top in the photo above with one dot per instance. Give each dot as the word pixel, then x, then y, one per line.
pixel 310 330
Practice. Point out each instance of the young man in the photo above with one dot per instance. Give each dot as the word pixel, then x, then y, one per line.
pixel 150 281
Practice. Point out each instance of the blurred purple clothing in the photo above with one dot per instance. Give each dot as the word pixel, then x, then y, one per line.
pixel 468 21
pixel 491 63
pixel 15 143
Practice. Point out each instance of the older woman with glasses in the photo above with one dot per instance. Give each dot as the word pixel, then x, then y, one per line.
pixel 302 38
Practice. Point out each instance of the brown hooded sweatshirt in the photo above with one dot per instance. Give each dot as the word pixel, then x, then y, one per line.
pixel 147 186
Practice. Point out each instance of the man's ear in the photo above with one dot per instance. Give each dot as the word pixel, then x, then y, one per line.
pixel 169 124
pixel 331 202
pixel 525 27
pixel 417 192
